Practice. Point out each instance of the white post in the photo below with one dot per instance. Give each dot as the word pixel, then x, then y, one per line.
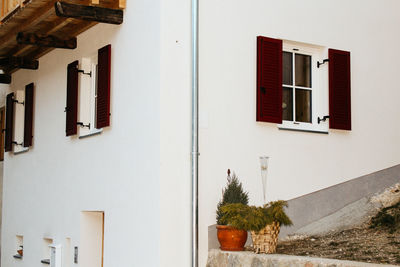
pixel 264 173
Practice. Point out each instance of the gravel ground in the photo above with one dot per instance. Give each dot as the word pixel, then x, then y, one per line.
pixel 358 244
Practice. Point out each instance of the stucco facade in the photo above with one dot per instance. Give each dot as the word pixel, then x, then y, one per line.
pixel 300 162
pixel 117 171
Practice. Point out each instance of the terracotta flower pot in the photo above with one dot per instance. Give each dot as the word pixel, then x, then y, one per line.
pixel 230 238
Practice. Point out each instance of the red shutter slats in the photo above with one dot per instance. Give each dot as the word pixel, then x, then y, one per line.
pixel 28 119
pixel 72 99
pixel 103 87
pixel 269 79
pixel 339 90
pixel 9 122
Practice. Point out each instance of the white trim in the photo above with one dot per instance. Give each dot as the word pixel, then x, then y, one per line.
pixel 19 123
pixel 319 89
pixel 90 66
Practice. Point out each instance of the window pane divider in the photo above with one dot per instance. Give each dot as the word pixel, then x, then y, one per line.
pixel 294 82
pixel 301 87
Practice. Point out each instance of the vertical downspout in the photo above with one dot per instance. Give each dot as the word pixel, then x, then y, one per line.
pixel 195 131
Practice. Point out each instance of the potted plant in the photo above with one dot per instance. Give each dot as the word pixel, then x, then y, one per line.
pixel 263 222
pixel 266 239
pixel 229 237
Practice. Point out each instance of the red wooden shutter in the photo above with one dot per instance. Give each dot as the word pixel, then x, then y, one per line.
pixel 28 120
pixel 9 122
pixel 339 90
pixel 72 99
pixel 269 79
pixel 103 87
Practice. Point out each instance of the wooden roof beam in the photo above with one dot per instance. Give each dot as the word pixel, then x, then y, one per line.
pixel 90 13
pixel 44 12
pixel 5 78
pixel 122 4
pixel 18 62
pixel 45 41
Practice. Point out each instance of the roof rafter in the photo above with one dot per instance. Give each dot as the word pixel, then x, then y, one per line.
pixel 46 41
pixel 90 13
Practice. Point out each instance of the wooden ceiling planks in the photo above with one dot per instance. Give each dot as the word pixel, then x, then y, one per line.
pixel 39 17
pixel 21 22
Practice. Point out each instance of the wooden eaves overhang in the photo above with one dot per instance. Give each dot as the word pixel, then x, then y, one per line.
pixel 33 28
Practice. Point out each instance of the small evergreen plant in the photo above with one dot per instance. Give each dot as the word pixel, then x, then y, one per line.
pixel 275 211
pixel 233 193
pixel 252 218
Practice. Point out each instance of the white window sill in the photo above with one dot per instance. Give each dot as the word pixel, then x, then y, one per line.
pixel 304 127
pixel 20 150
pixel 90 133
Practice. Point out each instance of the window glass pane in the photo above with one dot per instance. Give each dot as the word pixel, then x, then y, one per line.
pixel 303 70
pixel 287 68
pixel 303 105
pixel 287 104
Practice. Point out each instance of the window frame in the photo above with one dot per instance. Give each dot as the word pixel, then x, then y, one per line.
pixel 319 88
pixel 19 122
pixel 91 101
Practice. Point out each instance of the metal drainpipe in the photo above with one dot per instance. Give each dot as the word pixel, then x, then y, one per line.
pixel 195 132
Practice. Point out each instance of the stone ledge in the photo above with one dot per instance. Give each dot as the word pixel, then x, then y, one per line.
pixel 218 258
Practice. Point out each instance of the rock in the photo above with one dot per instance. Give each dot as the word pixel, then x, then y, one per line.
pixel 218 258
pixel 389 197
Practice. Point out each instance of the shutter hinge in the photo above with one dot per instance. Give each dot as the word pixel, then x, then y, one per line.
pixel 86 73
pixel 16 101
pixel 323 118
pixel 83 125
pixel 321 63
pixel 16 143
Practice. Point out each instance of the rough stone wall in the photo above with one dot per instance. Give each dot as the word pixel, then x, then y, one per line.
pixel 218 258
pixel 388 198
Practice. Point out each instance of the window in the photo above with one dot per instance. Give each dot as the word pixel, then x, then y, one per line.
pixel 304 88
pixel 46 251
pixel 19 120
pixel 19 245
pixel 293 90
pixel 88 97
pixel 89 82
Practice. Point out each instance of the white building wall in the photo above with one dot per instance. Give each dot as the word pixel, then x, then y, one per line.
pixel 175 126
pixel 46 188
pixel 3 90
pixel 138 170
pixel 300 162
